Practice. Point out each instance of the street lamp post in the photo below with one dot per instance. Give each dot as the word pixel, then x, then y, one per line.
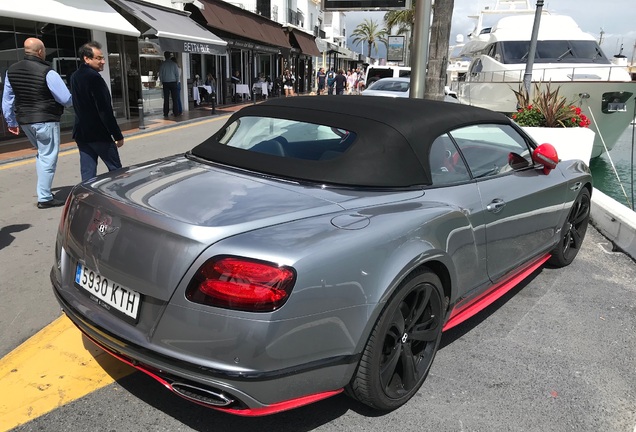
pixel 419 55
pixel 527 76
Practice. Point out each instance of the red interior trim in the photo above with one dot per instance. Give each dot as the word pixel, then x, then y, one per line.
pixel 465 311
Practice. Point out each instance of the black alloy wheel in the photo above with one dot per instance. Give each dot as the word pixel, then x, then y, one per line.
pixel 402 345
pixel 573 231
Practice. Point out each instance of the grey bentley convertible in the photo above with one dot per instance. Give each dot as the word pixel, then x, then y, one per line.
pixel 314 245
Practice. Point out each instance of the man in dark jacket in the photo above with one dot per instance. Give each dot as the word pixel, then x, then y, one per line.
pixel 96 131
pixel 341 82
pixel 34 98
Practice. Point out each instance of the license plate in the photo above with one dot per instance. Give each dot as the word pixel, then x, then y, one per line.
pixel 108 294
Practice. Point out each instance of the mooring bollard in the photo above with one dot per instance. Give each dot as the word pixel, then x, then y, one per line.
pixel 140 107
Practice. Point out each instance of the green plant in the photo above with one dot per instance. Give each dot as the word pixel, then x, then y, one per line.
pixel 547 109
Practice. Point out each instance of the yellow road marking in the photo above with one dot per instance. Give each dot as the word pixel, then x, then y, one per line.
pixel 57 365
pixel 128 139
pixel 54 367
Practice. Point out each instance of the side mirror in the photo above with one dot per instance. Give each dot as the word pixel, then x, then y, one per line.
pixel 546 155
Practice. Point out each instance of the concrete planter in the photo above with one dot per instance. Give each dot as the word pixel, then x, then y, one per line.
pixel 570 143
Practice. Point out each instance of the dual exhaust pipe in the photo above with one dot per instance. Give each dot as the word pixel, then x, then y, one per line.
pixel 201 395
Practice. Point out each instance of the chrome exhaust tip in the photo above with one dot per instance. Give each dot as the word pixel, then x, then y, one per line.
pixel 201 395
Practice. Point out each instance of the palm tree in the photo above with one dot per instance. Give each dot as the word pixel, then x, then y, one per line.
pixel 369 31
pixel 438 49
pixel 404 20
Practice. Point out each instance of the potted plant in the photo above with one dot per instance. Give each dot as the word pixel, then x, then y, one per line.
pixel 549 117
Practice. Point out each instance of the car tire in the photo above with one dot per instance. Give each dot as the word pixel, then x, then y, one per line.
pixel 573 231
pixel 402 345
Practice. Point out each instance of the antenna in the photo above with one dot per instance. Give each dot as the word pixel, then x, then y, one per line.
pixel 601 36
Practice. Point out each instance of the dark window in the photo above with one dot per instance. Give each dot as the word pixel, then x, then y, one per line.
pixel 553 51
pixel 492 149
pixel 264 8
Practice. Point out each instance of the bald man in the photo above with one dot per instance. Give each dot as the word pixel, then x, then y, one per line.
pixel 34 99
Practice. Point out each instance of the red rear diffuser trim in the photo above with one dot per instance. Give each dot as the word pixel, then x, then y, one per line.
pixel 465 311
pixel 248 412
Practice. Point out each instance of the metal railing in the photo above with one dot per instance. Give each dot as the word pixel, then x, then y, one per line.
pixel 556 74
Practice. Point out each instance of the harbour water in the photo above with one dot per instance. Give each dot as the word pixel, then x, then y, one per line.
pixel 604 177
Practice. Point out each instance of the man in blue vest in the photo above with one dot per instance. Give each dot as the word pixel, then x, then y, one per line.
pixel 96 131
pixel 34 99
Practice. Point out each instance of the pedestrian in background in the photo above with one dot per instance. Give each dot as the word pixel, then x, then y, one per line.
pixel 179 105
pixel 96 131
pixel 331 81
pixel 169 76
pixel 288 83
pixel 34 98
pixel 340 82
pixel 321 77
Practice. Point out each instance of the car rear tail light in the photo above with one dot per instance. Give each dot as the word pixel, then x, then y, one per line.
pixel 241 284
pixel 67 205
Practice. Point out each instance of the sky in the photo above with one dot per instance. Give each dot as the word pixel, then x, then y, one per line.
pixel 617 18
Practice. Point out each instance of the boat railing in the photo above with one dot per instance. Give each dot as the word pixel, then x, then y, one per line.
pixel 557 74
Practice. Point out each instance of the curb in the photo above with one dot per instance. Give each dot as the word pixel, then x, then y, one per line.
pixel 70 145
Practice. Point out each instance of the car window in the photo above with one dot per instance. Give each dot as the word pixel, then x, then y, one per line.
pixel 286 138
pixel 445 162
pixel 390 85
pixel 492 149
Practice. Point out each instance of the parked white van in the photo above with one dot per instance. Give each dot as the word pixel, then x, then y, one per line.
pixel 374 73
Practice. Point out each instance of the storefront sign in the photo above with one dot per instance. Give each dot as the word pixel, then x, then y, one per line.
pixel 376 5
pixel 177 45
pixel 252 46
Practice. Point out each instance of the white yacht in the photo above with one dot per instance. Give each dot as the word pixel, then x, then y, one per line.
pixel 566 57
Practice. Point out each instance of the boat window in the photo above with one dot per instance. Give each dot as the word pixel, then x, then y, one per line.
pixel 553 51
pixel 492 149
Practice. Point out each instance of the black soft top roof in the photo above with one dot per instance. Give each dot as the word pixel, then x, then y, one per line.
pixel 393 138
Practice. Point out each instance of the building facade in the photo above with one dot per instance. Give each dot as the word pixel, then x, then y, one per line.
pixel 253 40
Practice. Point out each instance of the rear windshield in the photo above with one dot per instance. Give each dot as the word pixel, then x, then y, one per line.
pixel 378 73
pixel 390 85
pixel 286 138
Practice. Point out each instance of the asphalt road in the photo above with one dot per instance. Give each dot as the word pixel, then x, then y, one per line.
pixel 557 353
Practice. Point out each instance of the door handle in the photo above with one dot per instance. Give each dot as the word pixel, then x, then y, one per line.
pixel 496 205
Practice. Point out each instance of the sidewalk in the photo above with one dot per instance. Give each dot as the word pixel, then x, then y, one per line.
pixel 20 147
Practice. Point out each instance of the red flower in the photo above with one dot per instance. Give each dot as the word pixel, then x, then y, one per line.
pixel 577 110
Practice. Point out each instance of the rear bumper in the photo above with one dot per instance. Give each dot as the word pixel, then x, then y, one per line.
pixel 249 395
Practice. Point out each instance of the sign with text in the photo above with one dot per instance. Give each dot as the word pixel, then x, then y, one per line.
pixel 395 51
pixel 368 5
pixel 177 45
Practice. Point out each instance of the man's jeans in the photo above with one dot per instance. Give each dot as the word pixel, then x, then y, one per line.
pixel 45 137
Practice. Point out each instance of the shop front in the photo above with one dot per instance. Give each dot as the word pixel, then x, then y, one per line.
pixel 136 62
pixel 257 49
pixel 304 52
pixel 63 28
